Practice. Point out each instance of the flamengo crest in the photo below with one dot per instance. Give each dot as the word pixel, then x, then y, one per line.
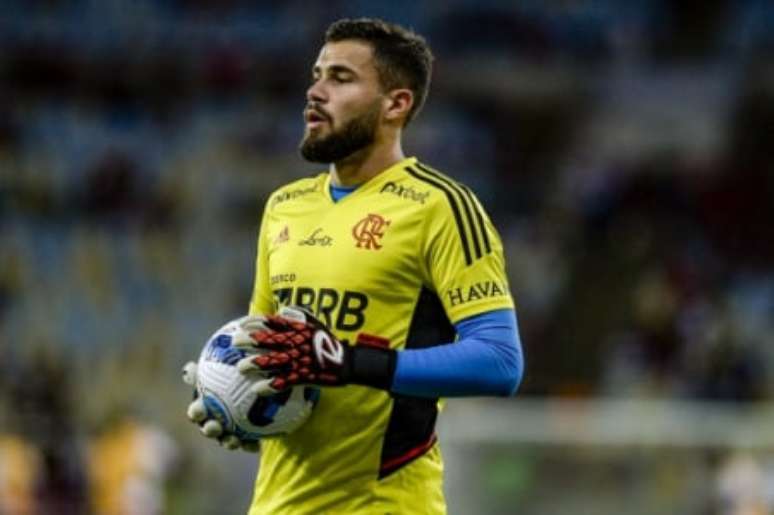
pixel 369 231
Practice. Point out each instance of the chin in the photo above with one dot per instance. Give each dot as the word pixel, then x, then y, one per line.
pixel 310 139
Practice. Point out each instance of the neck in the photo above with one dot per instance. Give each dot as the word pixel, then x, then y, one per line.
pixel 364 164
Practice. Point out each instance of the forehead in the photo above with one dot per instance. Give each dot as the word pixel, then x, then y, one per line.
pixel 353 54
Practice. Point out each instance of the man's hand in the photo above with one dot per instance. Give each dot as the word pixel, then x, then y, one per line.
pixel 209 426
pixel 294 347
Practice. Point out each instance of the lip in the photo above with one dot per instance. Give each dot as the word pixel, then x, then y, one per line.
pixel 314 118
pixel 315 124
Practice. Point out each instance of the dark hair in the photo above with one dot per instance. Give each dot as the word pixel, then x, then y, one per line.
pixel 402 58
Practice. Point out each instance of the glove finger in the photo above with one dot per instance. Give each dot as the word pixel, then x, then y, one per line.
pixel 270 341
pixel 274 361
pixel 189 373
pixel 282 382
pixel 230 442
pixel 248 367
pixel 242 338
pixel 275 337
pixel 266 387
pixel 253 323
pixel 295 313
pixel 296 321
pixel 282 340
pixel 290 379
pixel 212 428
pixel 301 316
pixel 197 411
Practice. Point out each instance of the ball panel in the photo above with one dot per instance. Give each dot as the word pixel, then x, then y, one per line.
pixel 226 393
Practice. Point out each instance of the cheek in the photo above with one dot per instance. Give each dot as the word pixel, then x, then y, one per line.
pixel 352 103
pixel 359 110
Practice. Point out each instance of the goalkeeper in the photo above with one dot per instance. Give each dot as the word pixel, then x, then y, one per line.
pixel 396 277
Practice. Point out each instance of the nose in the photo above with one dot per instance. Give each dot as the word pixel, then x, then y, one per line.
pixel 315 93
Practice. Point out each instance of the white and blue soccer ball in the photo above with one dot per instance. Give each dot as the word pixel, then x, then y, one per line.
pixel 228 397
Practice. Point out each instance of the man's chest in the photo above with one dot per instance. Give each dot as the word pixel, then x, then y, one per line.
pixel 338 260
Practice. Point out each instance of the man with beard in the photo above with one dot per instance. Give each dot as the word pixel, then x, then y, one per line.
pixel 400 297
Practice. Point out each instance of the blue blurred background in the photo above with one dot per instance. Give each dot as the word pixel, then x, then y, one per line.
pixel 623 150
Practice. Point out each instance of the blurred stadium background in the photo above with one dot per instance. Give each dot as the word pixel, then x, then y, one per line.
pixel 623 149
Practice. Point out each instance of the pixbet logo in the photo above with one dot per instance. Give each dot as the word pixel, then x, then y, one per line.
pixel 369 231
pixel 406 192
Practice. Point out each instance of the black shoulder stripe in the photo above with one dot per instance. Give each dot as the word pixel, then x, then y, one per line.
pixel 455 210
pixel 478 210
pixel 474 204
pixel 455 188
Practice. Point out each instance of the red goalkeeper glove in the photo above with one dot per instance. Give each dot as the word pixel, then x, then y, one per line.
pixel 294 347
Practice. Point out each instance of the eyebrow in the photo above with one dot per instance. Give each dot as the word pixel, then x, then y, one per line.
pixel 336 69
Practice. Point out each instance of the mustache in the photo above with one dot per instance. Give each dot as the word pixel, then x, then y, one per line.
pixel 314 108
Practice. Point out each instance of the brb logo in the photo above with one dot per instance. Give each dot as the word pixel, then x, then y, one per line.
pixel 369 231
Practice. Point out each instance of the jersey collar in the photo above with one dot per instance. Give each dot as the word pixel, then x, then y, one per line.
pixel 374 182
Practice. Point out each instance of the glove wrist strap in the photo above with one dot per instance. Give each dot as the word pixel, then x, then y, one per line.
pixel 373 367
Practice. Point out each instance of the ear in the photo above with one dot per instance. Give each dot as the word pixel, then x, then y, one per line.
pixel 397 104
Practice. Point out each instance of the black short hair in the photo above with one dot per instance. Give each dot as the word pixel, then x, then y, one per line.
pixel 402 57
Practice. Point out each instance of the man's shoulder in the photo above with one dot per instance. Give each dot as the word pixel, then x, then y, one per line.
pixel 433 188
pixel 296 190
pixel 456 210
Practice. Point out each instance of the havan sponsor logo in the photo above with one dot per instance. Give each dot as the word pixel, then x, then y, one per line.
pixel 476 291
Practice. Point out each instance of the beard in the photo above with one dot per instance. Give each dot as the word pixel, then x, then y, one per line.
pixel 356 135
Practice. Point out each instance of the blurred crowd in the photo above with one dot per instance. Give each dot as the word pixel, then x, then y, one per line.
pixel 623 152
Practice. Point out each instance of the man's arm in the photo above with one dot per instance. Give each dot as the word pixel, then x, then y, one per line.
pixel 294 347
pixel 487 359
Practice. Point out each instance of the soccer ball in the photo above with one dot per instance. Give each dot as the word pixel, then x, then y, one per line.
pixel 227 396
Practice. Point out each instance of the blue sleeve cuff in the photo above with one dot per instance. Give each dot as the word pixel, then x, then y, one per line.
pixel 486 359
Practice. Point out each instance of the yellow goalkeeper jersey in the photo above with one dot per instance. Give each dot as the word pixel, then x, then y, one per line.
pixel 394 263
